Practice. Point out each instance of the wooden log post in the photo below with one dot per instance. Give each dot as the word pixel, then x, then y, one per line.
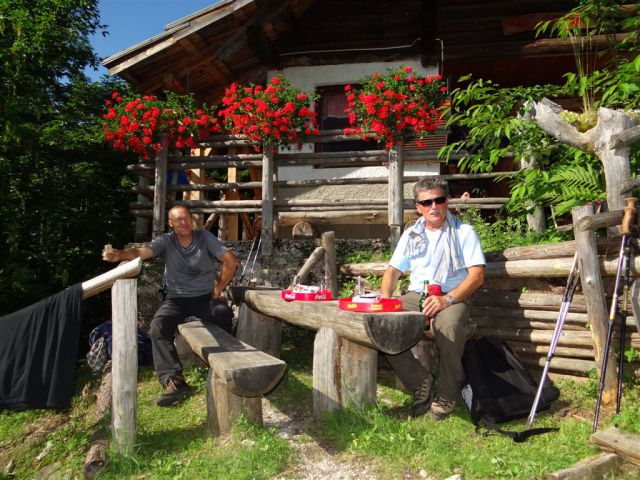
pixel 344 373
pixel 239 374
pixel 591 280
pixel 267 203
pixel 259 331
pixel 326 396
pixel 160 192
pixel 396 195
pixel 330 265
pixel 311 262
pixel 142 223
pixel 124 364
pixel 535 213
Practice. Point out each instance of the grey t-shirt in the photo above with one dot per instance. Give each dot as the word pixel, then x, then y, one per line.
pixel 189 270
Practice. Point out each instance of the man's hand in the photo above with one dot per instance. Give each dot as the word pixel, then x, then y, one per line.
pixel 110 254
pixel 434 304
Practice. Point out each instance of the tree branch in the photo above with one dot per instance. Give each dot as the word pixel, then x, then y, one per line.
pixel 546 114
pixel 626 138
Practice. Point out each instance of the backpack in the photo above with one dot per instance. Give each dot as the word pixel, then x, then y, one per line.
pixel 498 388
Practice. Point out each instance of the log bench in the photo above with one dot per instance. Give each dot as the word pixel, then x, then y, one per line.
pixel 239 374
pixel 346 345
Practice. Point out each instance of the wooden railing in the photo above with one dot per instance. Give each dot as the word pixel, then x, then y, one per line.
pixel 266 191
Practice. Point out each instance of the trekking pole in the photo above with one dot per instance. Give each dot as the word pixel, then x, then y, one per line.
pixel 572 283
pixel 624 312
pixel 623 324
pixel 244 269
pixel 255 257
pixel 625 230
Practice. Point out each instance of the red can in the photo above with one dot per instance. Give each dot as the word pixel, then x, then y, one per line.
pixel 435 289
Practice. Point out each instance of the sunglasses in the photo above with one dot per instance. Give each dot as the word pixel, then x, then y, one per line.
pixel 428 202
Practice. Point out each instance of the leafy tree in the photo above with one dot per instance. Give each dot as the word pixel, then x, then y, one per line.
pixel 63 191
pixel 495 119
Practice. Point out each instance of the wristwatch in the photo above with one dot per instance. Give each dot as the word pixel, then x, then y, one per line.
pixel 450 299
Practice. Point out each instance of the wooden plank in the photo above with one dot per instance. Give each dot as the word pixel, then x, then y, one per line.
pixel 596 467
pixel 124 300
pixel 246 370
pixel 391 332
pixel 627 445
pixel 548 250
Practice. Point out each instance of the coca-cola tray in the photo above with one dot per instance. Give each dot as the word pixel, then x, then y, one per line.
pixel 320 296
pixel 384 305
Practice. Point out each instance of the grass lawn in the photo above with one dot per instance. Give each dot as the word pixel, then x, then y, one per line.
pixel 173 444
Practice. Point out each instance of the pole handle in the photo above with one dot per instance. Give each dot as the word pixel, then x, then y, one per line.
pixel 629 215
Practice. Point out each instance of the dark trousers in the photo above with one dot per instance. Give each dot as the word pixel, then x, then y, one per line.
pixel 164 326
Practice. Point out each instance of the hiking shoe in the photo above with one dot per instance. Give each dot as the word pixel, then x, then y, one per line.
pixel 441 408
pixel 422 397
pixel 175 391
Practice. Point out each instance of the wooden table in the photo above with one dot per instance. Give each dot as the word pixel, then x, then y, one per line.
pixel 346 345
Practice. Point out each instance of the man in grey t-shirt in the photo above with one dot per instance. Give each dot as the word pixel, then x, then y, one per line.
pixel 192 290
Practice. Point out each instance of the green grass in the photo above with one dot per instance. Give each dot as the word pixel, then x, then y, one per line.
pixel 173 443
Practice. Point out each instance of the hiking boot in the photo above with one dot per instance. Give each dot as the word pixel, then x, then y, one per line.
pixel 441 408
pixel 175 391
pixel 422 397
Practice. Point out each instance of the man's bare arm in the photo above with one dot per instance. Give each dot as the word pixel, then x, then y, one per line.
pixel 389 281
pixel 114 255
pixel 229 266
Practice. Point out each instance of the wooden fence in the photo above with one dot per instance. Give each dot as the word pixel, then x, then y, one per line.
pixel 264 194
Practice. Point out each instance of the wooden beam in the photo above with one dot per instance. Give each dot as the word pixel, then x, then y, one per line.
pixel 527 23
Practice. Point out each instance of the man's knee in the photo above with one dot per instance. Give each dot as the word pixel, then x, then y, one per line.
pixel 159 329
pixel 221 315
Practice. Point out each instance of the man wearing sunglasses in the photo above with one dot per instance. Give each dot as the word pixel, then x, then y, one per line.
pixel 442 250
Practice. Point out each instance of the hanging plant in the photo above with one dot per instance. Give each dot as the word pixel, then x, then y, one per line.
pixel 144 125
pixel 396 106
pixel 274 115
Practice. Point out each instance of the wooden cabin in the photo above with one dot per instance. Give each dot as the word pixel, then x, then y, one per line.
pixel 322 45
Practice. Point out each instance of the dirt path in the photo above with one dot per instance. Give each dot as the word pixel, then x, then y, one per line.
pixel 315 461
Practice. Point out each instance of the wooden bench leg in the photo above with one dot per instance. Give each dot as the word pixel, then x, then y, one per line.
pixel 344 373
pixel 259 331
pixel 223 406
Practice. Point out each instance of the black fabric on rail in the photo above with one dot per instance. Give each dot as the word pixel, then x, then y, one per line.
pixel 38 352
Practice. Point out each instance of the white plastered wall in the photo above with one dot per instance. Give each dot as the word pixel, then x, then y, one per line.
pixel 308 78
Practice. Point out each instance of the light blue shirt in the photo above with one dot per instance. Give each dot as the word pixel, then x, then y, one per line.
pixel 415 252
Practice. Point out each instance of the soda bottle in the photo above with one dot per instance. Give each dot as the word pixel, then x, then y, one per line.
pixel 358 288
pixel 423 295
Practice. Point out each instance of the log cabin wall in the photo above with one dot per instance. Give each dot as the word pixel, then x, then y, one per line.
pixel 249 40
